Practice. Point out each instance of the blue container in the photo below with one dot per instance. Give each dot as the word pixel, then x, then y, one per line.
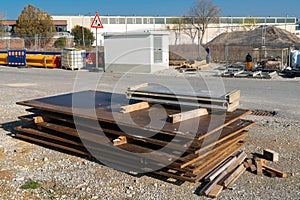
pixel 16 57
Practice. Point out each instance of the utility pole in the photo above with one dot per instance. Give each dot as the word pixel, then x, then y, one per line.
pixel 82 29
pixel 199 43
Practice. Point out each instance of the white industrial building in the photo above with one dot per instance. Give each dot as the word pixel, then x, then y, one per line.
pixel 179 34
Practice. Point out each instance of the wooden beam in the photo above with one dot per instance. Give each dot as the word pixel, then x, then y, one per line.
pixel 38 119
pixel 277 172
pixel 175 118
pixel 270 173
pixel 215 192
pixel 258 165
pixel 120 140
pixel 233 175
pixel 236 178
pixel 134 107
pixel 211 176
pixel 208 188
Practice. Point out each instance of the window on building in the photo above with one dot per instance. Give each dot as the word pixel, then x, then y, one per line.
pixel 138 20
pixel 104 20
pixel 121 20
pixel 148 20
pixel 159 20
pixel 226 20
pixel 113 21
pixel 61 28
pixel 291 20
pixel 237 20
pixel 281 20
pixel 130 20
pixel 260 20
pixel 270 20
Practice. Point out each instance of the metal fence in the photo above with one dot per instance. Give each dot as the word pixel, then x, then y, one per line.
pixel 35 42
pixel 236 53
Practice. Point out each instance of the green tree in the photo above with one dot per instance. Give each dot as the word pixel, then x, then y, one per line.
pixel 60 42
pixel 78 32
pixel 203 13
pixel 2 16
pixel 33 24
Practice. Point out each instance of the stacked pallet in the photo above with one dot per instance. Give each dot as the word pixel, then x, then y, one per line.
pixel 136 137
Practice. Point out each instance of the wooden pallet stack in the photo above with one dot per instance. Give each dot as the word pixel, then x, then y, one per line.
pixel 187 146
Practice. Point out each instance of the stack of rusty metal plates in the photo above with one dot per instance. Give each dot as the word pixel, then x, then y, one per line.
pixel 140 138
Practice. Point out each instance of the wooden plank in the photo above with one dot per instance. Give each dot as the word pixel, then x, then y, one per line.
pixel 258 165
pixel 233 175
pixel 206 169
pixel 216 191
pixel 240 126
pixel 211 176
pixel 208 159
pixel 38 119
pixel 179 117
pixel 270 173
pixel 227 143
pixel 208 188
pixel 239 159
pixel 277 172
pixel 236 178
pixel 134 107
pixel 219 160
pixel 226 123
pixel 120 140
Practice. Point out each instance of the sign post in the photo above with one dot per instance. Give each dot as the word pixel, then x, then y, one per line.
pixel 96 23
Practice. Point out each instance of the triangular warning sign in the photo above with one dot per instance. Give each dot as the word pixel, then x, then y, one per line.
pixel 96 22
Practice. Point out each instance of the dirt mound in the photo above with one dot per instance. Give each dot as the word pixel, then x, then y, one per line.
pixel 274 37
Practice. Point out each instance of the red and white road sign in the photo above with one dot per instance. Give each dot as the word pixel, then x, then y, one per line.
pixel 96 22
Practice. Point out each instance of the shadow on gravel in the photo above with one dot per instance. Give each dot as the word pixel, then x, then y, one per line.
pixel 257 155
pixel 10 128
pixel 198 190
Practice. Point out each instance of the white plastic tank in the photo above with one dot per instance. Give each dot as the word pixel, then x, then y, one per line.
pixel 73 58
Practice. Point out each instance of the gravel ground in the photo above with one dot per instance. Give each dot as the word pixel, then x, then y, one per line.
pixel 65 176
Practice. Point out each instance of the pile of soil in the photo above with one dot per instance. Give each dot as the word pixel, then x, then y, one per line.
pixel 245 41
pixel 274 37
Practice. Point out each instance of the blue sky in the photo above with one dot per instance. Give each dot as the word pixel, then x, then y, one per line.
pixel 12 8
